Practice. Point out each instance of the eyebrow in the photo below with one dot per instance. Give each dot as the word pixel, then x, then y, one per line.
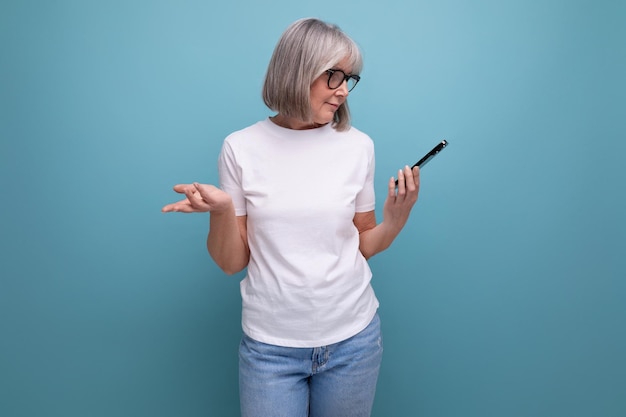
pixel 339 69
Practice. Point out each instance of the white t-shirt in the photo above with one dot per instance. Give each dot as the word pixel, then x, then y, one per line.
pixel 307 283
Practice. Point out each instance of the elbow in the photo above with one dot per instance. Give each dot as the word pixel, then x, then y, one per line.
pixel 231 262
pixel 367 251
pixel 230 270
pixel 231 266
pixel 370 251
pixel 366 254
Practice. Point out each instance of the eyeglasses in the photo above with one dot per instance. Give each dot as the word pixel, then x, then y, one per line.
pixel 337 77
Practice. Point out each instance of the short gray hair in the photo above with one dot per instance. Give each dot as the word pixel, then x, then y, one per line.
pixel 306 49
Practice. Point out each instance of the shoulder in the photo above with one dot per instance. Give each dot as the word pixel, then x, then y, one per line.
pixel 357 134
pixel 239 135
pixel 359 137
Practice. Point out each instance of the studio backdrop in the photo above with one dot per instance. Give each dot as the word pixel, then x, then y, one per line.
pixel 503 296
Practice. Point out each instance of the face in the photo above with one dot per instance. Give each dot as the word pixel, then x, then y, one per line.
pixel 325 101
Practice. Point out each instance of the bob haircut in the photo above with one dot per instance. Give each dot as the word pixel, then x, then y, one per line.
pixel 306 49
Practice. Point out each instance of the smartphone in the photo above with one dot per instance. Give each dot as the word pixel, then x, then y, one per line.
pixel 430 155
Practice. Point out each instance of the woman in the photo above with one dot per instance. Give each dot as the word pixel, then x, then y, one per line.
pixel 296 207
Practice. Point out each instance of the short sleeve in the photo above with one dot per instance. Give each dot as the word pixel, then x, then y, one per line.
pixel 366 198
pixel 230 176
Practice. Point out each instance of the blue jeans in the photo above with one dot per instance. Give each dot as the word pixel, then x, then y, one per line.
pixel 327 381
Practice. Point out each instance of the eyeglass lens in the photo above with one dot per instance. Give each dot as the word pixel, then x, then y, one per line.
pixel 336 78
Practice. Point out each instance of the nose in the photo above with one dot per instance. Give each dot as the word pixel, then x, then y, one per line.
pixel 342 90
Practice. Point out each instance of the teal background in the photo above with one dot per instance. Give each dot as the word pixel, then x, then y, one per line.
pixel 503 296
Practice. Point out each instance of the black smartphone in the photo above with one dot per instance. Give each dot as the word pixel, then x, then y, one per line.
pixel 430 155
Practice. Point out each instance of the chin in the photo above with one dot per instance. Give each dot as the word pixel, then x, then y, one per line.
pixel 325 120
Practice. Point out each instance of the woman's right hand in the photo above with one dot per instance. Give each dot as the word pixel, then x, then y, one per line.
pixel 200 198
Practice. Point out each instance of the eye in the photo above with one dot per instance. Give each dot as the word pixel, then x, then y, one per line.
pixel 337 77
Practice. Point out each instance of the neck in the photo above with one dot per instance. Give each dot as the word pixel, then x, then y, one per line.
pixel 292 123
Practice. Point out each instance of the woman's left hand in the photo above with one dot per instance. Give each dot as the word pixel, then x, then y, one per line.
pixel 375 238
pixel 401 198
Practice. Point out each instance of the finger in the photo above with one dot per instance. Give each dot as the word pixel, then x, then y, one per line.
pixel 180 188
pixel 401 183
pixel 177 206
pixel 204 190
pixel 195 199
pixel 391 187
pixel 410 179
pixel 416 176
pixel 189 192
pixel 184 208
pixel 205 194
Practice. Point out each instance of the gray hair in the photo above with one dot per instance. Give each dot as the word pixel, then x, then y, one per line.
pixel 307 48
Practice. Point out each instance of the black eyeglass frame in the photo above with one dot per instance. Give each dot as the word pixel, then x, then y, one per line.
pixel 346 77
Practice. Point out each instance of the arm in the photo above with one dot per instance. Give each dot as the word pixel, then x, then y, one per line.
pixel 376 238
pixel 227 241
